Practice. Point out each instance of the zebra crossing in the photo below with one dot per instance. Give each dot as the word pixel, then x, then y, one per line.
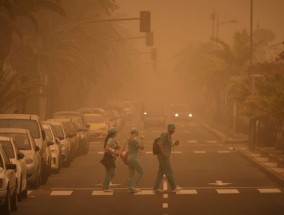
pixel 149 192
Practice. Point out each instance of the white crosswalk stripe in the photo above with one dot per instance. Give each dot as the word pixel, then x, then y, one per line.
pixel 227 191
pixel 267 191
pixel 61 193
pixel 187 192
pixel 199 152
pixel 101 193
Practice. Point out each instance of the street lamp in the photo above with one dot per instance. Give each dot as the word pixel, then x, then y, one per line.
pixel 223 23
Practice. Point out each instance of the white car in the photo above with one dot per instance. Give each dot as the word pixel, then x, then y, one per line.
pixel 32 123
pixel 8 184
pixel 62 134
pixel 55 147
pixel 16 157
pixel 26 144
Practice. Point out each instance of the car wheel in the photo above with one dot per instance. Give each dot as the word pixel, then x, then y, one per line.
pixel 6 208
pixel 14 200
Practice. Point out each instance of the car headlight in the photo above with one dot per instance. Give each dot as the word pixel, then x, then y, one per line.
pixel 190 115
pixel 145 113
pixel 29 160
pixel 176 115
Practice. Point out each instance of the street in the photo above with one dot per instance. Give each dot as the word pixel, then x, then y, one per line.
pixel 214 177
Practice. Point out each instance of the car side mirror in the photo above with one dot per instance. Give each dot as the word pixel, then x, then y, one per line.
pixel 11 166
pixel 37 149
pixel 20 156
pixel 50 143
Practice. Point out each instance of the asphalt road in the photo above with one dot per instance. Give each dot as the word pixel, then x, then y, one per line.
pixel 215 180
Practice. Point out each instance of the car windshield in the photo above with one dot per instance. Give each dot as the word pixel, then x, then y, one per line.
pixel 21 139
pixel 58 131
pixel 31 125
pixel 48 134
pixel 7 146
pixel 95 118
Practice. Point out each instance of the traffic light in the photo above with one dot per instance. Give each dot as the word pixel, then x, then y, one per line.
pixel 145 21
pixel 149 39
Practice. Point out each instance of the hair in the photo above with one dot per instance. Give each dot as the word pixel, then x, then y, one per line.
pixel 110 135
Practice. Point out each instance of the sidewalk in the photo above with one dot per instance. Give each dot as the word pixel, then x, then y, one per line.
pixel 268 159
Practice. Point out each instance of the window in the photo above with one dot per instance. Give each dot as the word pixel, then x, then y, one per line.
pixel 31 125
pixel 95 118
pixel 58 131
pixel 1 162
pixel 21 140
pixel 48 134
pixel 8 148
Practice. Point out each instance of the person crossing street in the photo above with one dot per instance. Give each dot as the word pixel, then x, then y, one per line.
pixel 165 149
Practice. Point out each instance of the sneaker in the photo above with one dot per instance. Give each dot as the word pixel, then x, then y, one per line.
pixel 177 189
pixel 158 191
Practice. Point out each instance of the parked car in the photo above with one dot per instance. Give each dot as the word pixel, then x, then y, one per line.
pixel 98 126
pixel 16 157
pixel 26 144
pixel 32 123
pixel 82 128
pixel 61 132
pixel 71 134
pixel 8 185
pixel 56 163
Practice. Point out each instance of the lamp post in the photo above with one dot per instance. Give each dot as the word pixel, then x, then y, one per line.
pixel 251 32
pixel 223 23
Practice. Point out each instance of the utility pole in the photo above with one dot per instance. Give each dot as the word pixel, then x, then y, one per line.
pixel 251 32
pixel 213 19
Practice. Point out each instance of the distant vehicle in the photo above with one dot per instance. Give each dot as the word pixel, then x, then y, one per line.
pixel 181 113
pixel 56 163
pixel 154 116
pixel 32 123
pixel 80 125
pixel 16 157
pixel 98 126
pixel 61 132
pixel 8 185
pixel 27 146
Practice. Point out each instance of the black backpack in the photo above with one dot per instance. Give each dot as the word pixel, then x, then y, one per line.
pixel 156 149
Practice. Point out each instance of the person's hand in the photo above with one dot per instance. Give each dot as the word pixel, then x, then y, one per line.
pixel 176 143
pixel 116 154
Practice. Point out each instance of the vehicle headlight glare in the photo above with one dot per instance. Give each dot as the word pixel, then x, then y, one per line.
pixel 190 115
pixel 145 113
pixel 176 115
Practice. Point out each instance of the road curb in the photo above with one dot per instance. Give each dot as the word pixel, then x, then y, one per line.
pixel 268 171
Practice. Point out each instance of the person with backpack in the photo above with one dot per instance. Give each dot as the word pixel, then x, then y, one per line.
pixel 134 145
pixel 111 146
pixel 165 144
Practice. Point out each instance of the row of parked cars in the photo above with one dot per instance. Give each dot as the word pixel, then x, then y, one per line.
pixel 31 149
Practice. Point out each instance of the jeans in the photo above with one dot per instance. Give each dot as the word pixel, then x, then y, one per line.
pixel 165 168
pixel 110 173
pixel 134 165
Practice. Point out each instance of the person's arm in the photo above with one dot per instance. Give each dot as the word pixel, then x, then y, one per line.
pixel 110 150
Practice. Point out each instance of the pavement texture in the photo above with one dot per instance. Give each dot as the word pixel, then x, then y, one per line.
pixel 269 159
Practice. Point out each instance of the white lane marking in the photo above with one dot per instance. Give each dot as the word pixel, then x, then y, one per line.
pixel 273 190
pixel 165 185
pixel 61 193
pixel 29 192
pixel 149 153
pixel 192 141
pixel 177 152
pixel 199 152
pixel 224 152
pixel 211 141
pixel 220 183
pixel 165 205
pixel 102 193
pixel 165 196
pixel 227 191
pixel 145 192
pixel 187 192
